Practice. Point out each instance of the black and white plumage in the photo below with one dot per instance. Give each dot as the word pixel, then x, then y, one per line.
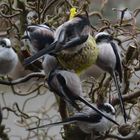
pixel 65 32
pixel 67 85
pixel 38 37
pixel 88 120
pixel 71 30
pixel 110 61
pixel 8 57
pixel 71 38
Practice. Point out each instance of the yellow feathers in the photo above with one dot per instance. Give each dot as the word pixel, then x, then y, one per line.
pixel 73 12
pixel 82 59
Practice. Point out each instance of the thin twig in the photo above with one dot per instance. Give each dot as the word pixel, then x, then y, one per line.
pixel 126 97
pixel 23 79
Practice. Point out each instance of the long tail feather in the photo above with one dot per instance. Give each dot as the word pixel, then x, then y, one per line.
pixel 65 122
pixel 97 110
pixel 40 54
pixel 120 97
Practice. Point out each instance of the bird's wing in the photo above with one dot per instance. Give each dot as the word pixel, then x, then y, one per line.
pixel 89 118
pixel 118 61
pixel 69 33
pixel 73 82
pixel 75 41
pixel 68 94
pixel 54 84
pixel 44 26
pixel 43 37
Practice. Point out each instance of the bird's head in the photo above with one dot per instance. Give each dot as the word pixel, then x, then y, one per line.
pixel 39 36
pixel 108 108
pixel 82 19
pixel 81 23
pixel 103 37
pixel 5 43
pixel 32 17
pixel 38 29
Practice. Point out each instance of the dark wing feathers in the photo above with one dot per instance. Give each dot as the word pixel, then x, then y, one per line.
pixel 92 118
pixel 118 61
pixel 69 95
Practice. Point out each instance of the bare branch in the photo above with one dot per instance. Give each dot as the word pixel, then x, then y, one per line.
pixel 22 80
pixel 126 97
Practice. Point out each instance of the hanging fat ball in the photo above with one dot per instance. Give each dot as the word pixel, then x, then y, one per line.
pixel 73 46
pixel 110 61
pixel 125 129
pixel 38 37
pixel 67 85
pixel 8 57
pixel 89 120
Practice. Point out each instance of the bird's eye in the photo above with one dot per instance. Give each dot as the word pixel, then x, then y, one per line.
pixel 3 44
pixel 107 109
pixel 29 17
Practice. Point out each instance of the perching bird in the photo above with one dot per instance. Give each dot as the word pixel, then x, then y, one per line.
pixel 38 37
pixel 8 57
pixel 73 46
pixel 76 50
pixel 88 120
pixel 110 61
pixel 67 85
pixel 32 17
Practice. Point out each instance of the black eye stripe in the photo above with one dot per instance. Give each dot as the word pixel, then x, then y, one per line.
pixel 106 108
pixel 3 43
pixel 103 37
